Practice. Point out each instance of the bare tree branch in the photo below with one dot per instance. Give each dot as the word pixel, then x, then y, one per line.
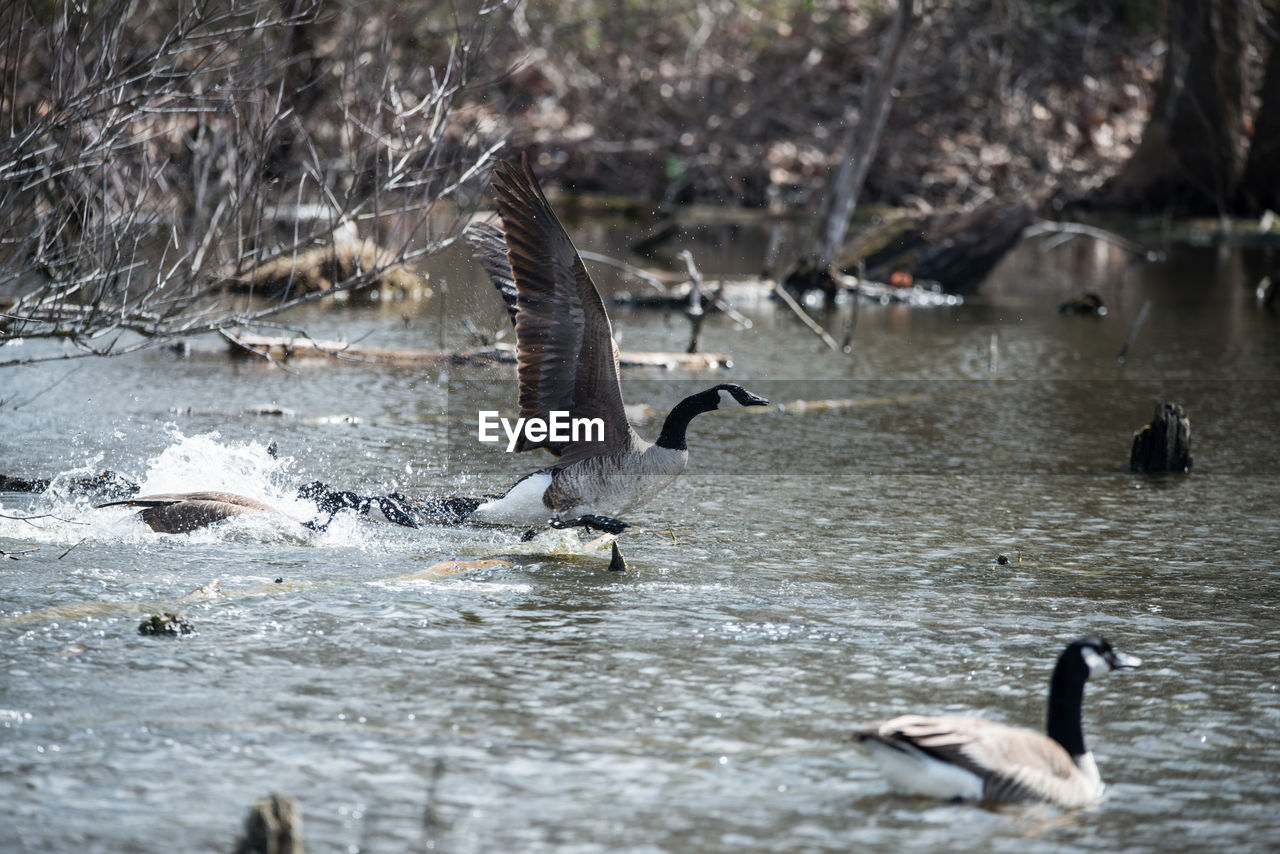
pixel 161 159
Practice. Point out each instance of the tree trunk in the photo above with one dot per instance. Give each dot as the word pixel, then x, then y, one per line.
pixel 1259 188
pixel 861 140
pixel 1190 154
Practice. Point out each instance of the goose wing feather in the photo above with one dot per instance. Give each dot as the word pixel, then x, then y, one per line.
pixel 163 499
pixel 183 512
pixel 1014 764
pixel 490 245
pixel 567 359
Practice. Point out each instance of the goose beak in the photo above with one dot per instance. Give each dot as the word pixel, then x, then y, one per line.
pixel 750 399
pixel 1123 660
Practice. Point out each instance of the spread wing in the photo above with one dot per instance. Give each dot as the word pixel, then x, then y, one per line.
pixel 490 247
pixel 566 357
pixel 1014 764
pixel 183 512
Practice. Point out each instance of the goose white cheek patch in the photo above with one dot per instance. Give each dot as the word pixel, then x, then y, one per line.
pixel 1097 665
pixel 726 400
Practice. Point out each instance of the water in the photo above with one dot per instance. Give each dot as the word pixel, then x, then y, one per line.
pixel 816 569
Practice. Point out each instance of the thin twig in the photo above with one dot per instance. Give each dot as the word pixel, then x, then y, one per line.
pixel 643 275
pixel 1133 332
pixel 803 315
pixel 68 551
pixel 41 516
pixel 1080 228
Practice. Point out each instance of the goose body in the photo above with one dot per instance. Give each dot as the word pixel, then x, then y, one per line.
pixel 971 758
pixel 183 512
pixel 607 486
pixel 567 361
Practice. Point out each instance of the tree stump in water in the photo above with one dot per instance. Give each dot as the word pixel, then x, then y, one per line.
pixel 1165 443
pixel 274 826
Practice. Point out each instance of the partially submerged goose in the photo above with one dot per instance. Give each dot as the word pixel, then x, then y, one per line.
pixel 567 361
pixel 962 757
pixel 184 512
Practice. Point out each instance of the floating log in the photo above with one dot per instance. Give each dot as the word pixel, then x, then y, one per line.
pixel 1165 443
pixel 325 267
pixel 284 349
pixel 677 299
pixel 274 826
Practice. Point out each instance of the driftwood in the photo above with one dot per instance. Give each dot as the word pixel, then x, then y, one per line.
pixel 1165 443
pixel 274 826
pixel 283 349
pixel 323 267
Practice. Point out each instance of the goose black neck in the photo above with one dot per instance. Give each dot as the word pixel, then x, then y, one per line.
pixel 673 429
pixel 1066 695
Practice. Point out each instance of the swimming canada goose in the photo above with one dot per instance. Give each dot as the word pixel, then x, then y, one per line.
pixel 567 361
pixel 184 512
pixel 962 757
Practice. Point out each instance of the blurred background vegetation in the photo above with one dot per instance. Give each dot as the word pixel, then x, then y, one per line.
pixel 148 128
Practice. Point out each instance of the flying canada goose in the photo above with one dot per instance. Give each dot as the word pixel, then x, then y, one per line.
pixel 567 361
pixel 184 512
pixel 961 757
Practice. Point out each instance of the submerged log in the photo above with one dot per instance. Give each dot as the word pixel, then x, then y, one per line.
pixel 1165 443
pixel 282 349
pixel 957 250
pixel 274 826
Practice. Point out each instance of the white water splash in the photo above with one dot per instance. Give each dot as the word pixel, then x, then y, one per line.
pixel 189 464
pixel 205 462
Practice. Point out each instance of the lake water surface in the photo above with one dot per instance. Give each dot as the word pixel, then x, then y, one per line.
pixel 818 567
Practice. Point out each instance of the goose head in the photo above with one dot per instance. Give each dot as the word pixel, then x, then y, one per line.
pixel 724 395
pixel 1098 656
pixel 729 395
pixel 1089 657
